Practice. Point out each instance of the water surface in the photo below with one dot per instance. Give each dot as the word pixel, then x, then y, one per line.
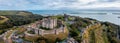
pixel 99 15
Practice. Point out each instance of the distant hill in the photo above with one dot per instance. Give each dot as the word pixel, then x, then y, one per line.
pixel 8 12
pixel 15 13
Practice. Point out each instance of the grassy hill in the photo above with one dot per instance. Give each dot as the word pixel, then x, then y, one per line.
pixel 105 33
pixel 95 34
pixel 16 18
pixel 8 12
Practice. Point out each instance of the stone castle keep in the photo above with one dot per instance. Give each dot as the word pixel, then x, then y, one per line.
pixel 48 23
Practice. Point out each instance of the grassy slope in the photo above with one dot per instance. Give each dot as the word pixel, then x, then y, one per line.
pixel 108 34
pixel 96 35
pixel 8 12
pixel 4 20
pixel 16 18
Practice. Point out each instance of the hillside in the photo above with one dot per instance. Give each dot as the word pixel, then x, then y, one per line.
pixel 16 18
pixel 3 19
pixel 85 30
pixel 8 12
pixel 104 33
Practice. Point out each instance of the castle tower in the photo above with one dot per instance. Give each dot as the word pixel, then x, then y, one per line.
pixel 49 23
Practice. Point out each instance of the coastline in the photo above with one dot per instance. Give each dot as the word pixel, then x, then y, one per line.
pixel 107 16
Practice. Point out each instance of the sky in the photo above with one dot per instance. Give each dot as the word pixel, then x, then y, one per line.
pixel 58 4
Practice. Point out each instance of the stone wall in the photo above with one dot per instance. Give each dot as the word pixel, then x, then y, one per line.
pixel 43 32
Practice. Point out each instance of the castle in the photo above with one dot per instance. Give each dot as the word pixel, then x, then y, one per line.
pixel 47 23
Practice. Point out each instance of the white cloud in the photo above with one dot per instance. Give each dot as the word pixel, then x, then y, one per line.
pixel 85 1
pixel 91 4
pixel 95 5
pixel 58 4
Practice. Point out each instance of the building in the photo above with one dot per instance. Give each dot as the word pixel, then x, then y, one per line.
pixel 49 23
pixel 66 17
pixel 54 25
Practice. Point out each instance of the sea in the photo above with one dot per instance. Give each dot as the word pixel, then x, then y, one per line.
pixel 112 16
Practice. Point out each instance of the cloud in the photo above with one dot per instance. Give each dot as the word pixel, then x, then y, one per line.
pixel 57 4
pixel 96 4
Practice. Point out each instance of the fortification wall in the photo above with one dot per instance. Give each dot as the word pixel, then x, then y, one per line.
pixel 43 32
